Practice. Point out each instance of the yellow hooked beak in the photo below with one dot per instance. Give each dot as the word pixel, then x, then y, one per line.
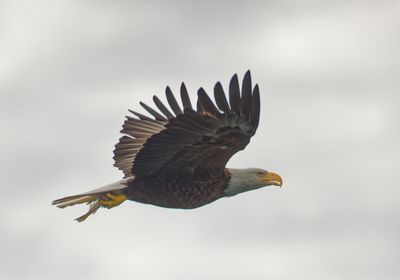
pixel 271 178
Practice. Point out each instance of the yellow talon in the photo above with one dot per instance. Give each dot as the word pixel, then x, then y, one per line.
pixel 114 200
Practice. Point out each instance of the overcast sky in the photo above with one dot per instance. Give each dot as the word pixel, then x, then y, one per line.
pixel 329 78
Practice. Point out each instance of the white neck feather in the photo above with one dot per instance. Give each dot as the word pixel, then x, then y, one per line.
pixel 242 180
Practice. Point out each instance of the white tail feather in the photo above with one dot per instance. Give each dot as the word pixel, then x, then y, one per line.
pixel 93 197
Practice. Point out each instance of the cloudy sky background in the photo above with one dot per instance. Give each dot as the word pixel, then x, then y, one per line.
pixel 329 78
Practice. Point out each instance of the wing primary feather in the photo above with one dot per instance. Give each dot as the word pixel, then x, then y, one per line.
pixel 220 98
pixel 152 124
pixel 162 108
pixel 125 139
pixel 234 95
pixel 153 112
pixel 199 107
pixel 125 152
pixel 207 103
pixel 172 102
pixel 136 134
pixel 140 116
pixel 185 97
pixel 255 108
pixel 245 101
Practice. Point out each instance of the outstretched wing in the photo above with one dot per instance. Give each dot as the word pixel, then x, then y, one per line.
pixel 184 140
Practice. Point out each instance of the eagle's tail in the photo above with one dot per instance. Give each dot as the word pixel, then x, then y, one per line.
pixel 108 196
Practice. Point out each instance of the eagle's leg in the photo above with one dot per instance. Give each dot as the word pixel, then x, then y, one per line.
pixel 107 200
pixel 92 209
pixel 112 200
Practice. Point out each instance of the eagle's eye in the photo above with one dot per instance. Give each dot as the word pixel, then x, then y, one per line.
pixel 259 173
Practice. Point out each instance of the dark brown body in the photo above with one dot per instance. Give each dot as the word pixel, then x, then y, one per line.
pixel 179 190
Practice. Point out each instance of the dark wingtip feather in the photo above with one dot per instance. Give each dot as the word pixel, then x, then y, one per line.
pixel 207 103
pixel 234 94
pixel 172 101
pixel 185 97
pixel 245 101
pixel 255 108
pixel 199 107
pixel 153 112
pixel 140 116
pixel 162 108
pixel 220 98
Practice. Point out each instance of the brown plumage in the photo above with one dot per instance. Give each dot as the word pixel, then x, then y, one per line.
pixel 176 158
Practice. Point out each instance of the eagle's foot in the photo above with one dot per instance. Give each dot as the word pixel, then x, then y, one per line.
pixel 111 200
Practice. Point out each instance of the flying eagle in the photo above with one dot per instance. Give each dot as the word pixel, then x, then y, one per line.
pixel 176 158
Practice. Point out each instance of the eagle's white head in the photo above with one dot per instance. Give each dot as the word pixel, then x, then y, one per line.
pixel 243 180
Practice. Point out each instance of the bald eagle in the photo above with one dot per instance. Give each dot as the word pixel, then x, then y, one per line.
pixel 176 157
